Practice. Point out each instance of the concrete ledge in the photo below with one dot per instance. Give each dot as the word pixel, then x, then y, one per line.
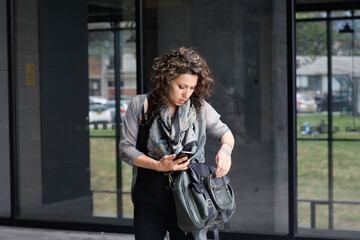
pixel 15 233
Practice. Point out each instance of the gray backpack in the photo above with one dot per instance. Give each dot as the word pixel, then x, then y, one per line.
pixel 202 200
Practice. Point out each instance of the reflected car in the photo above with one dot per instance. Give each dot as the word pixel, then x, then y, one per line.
pixel 126 99
pixel 341 103
pixel 123 107
pixel 305 103
pixel 99 113
pixel 97 100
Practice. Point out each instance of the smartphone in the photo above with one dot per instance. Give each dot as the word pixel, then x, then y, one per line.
pixel 184 154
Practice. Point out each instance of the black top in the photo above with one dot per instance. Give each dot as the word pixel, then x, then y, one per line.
pixel 151 187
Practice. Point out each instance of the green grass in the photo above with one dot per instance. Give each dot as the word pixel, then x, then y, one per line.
pixel 103 177
pixel 313 172
pixel 103 164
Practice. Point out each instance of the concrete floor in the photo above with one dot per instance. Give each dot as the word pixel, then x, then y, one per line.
pixel 15 233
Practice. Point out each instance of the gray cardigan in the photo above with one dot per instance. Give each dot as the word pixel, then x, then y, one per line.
pixel 207 122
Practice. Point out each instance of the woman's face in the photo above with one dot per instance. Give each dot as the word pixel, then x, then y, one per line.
pixel 181 88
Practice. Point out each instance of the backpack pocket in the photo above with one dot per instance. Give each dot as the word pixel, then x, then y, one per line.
pixel 220 192
pixel 191 206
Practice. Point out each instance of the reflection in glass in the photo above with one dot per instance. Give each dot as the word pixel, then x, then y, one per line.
pixel 99 25
pixel 109 200
pixel 312 14
pixel 312 125
pixel 126 188
pixel 312 182
pixel 345 84
pixel 341 13
pixel 346 171
pixel 128 65
pixel 102 164
pixel 67 164
pixel 101 66
pixel 104 204
pixel 312 170
pixel 346 185
pixel 127 207
pixel 311 80
pixel 346 217
pixel 330 171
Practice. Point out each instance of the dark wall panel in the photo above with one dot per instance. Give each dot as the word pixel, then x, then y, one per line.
pixel 64 99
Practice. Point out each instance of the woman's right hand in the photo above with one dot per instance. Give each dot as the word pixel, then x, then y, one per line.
pixel 169 163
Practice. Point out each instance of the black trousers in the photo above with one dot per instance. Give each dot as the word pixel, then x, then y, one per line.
pixel 155 212
pixel 153 225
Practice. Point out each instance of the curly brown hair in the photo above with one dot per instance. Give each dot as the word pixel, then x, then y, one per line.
pixel 170 66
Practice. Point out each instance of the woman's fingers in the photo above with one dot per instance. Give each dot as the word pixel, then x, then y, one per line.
pixel 181 160
pixel 223 164
pixel 182 165
pixel 169 163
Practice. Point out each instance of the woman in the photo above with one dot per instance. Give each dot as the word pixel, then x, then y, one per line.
pixel 172 118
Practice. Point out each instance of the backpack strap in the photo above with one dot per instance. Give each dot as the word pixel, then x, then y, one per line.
pixel 200 234
pixel 198 171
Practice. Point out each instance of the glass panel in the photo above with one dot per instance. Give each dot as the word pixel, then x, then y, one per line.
pixel 128 66
pixel 67 135
pixel 101 78
pixel 238 32
pixel 347 171
pixel 128 90
pixel 341 13
pixel 346 175
pixel 333 199
pixel 104 204
pixel 5 207
pixel 346 217
pixel 99 25
pixel 103 176
pixel 127 207
pixel 311 80
pixel 128 25
pixel 312 165
pixel 316 14
pixel 345 84
pixel 102 164
pixel 102 62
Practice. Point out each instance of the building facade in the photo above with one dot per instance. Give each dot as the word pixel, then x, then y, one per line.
pixel 68 70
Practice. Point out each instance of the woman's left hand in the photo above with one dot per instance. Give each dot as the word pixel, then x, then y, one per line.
pixel 223 163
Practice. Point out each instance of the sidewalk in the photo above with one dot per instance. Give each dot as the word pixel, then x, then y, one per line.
pixel 16 233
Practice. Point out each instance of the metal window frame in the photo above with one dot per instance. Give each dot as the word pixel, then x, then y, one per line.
pixel 292 147
pixel 12 112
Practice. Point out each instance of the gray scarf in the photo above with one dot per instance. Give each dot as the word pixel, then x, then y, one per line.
pixel 169 135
